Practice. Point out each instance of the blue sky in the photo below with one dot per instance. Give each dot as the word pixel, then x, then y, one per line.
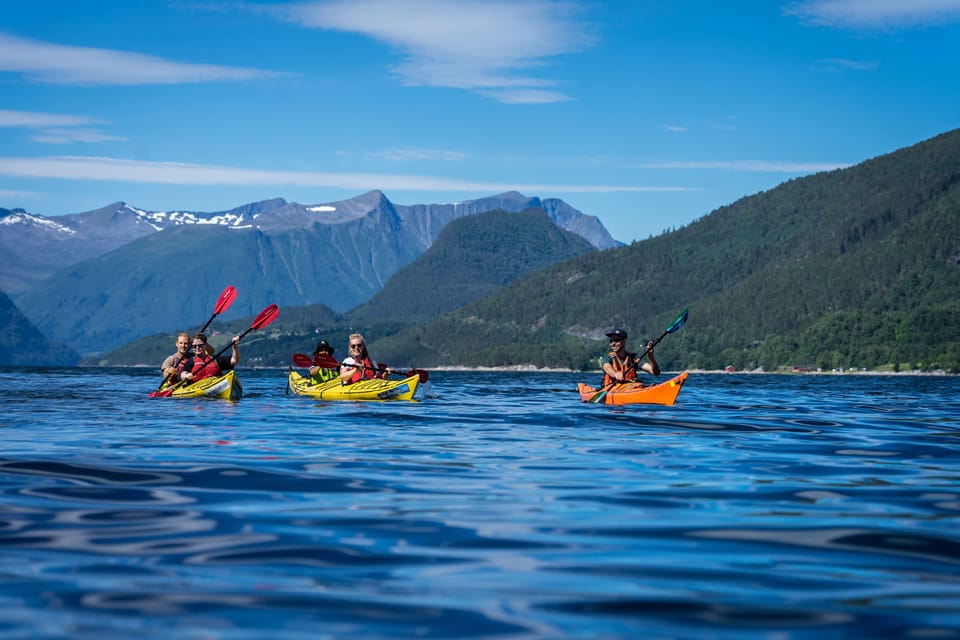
pixel 646 114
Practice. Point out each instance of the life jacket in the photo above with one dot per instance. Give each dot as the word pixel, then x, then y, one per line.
pixel 200 367
pixel 628 365
pixel 324 374
pixel 369 371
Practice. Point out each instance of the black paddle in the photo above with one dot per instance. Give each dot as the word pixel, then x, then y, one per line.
pixel 223 303
pixel 678 322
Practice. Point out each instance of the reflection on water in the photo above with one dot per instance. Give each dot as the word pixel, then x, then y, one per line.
pixel 498 506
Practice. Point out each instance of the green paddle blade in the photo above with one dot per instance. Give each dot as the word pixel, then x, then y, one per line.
pixel 678 322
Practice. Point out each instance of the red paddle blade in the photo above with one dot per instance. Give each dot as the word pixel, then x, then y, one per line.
pixel 266 316
pixel 226 299
pixel 326 361
pixel 423 374
pixel 302 360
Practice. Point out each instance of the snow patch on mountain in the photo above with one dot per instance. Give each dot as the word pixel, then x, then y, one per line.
pixel 160 220
pixel 40 221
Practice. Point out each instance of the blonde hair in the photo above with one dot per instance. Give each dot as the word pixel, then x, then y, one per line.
pixel 363 343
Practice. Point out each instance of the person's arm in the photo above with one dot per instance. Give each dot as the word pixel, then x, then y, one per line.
pixel 169 367
pixel 235 354
pixel 613 373
pixel 183 370
pixel 347 369
pixel 651 366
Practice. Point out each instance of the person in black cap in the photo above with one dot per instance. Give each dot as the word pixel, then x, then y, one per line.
pixel 326 367
pixel 621 365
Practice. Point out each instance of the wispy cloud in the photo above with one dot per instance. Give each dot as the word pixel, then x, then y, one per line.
pixel 56 128
pixel 746 165
pixel 876 14
pixel 51 63
pixel 67 136
pixel 843 64
pixel 675 128
pixel 13 193
pixel 416 155
pixel 486 46
pixel 118 170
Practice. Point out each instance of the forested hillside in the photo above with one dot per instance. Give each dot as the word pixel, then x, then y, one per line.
pixel 471 258
pixel 853 268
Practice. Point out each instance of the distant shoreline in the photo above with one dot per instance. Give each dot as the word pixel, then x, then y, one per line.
pixel 529 368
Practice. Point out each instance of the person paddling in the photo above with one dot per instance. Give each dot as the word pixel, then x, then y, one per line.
pixel 621 365
pixel 203 365
pixel 358 365
pixel 326 368
pixel 169 366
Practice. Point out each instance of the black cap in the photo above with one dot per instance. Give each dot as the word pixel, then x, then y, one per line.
pixel 323 345
pixel 618 333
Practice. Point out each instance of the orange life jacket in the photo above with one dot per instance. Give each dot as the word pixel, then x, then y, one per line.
pixel 628 365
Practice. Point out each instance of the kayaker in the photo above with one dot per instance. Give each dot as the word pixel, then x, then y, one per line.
pixel 621 365
pixel 327 368
pixel 358 365
pixel 169 366
pixel 204 365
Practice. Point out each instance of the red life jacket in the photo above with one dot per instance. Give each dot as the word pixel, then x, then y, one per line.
pixel 369 372
pixel 627 365
pixel 200 367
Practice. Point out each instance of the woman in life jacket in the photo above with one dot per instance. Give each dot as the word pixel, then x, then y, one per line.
pixel 621 365
pixel 204 365
pixel 358 365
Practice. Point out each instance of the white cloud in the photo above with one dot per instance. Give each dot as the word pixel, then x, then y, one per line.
pixel 745 165
pixel 56 128
pixel 876 14
pixel 67 136
pixel 51 63
pixel 13 193
pixel 416 154
pixel 676 128
pixel 843 64
pixel 487 46
pixel 118 170
pixel 10 118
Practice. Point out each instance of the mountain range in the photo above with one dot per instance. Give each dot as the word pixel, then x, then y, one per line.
pixel 102 278
pixel 848 269
pixel 472 256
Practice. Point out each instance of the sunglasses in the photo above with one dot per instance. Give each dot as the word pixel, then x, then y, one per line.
pixel 198 346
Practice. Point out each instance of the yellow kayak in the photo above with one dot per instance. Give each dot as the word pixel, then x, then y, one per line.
pixel 364 390
pixel 225 387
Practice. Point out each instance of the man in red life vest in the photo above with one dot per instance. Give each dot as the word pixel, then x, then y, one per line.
pixel 621 365
pixel 203 365
pixel 358 365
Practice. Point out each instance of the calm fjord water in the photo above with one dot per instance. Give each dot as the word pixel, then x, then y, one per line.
pixel 499 506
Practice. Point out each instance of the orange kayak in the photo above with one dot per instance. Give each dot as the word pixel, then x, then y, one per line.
pixel 635 392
